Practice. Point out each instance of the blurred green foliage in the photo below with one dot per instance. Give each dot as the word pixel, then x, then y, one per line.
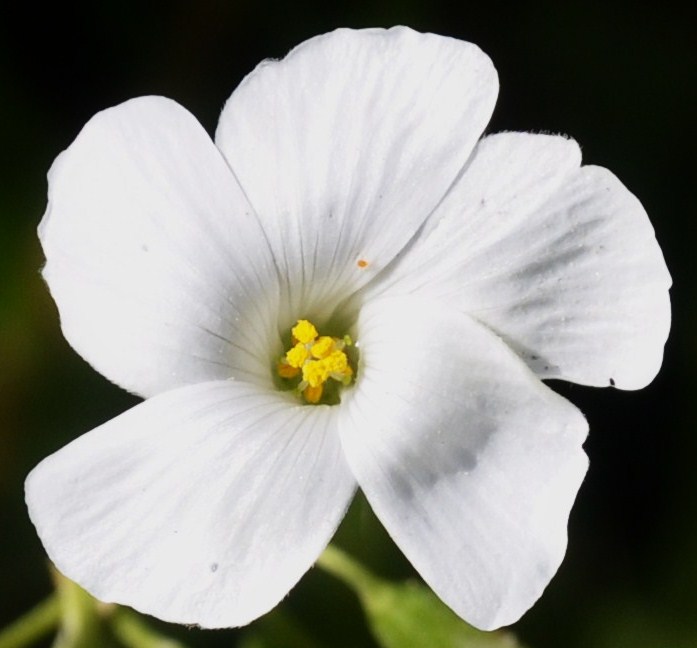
pixel 619 78
pixel 408 614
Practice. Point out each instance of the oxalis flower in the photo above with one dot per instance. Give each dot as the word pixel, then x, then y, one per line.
pixel 348 288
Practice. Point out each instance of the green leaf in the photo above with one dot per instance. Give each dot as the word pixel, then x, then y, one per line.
pixel 408 614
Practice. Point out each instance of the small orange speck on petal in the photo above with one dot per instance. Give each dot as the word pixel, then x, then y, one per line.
pixel 362 263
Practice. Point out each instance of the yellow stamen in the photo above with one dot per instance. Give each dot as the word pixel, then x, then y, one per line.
pixel 313 394
pixel 304 331
pixel 315 373
pixel 286 370
pixel 322 347
pixel 319 358
pixel 297 355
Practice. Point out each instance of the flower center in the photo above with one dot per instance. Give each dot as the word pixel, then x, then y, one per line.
pixel 315 358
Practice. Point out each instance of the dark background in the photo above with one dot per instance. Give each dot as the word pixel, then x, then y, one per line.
pixel 620 79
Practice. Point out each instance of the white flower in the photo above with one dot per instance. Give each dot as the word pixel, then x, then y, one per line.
pixel 347 187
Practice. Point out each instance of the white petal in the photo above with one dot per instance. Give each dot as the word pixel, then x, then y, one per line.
pixel 346 145
pixel 560 260
pixel 202 505
pixel 158 264
pixel 471 463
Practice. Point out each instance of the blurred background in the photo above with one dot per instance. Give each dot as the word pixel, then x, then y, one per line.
pixel 618 78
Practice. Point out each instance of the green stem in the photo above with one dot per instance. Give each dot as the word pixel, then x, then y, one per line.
pixel 339 564
pixel 34 625
pixel 133 631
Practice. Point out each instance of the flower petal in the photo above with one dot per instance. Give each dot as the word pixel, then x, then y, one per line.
pixel 559 260
pixel 159 267
pixel 471 463
pixel 346 145
pixel 202 505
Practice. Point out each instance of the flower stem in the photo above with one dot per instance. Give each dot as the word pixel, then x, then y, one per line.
pixel 34 625
pixel 134 632
pixel 338 563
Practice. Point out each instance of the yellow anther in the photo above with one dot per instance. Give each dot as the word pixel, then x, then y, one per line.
pixel 337 363
pixel 322 347
pixel 286 370
pixel 313 394
pixel 319 358
pixel 315 373
pixel 304 332
pixel 345 378
pixel 297 355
